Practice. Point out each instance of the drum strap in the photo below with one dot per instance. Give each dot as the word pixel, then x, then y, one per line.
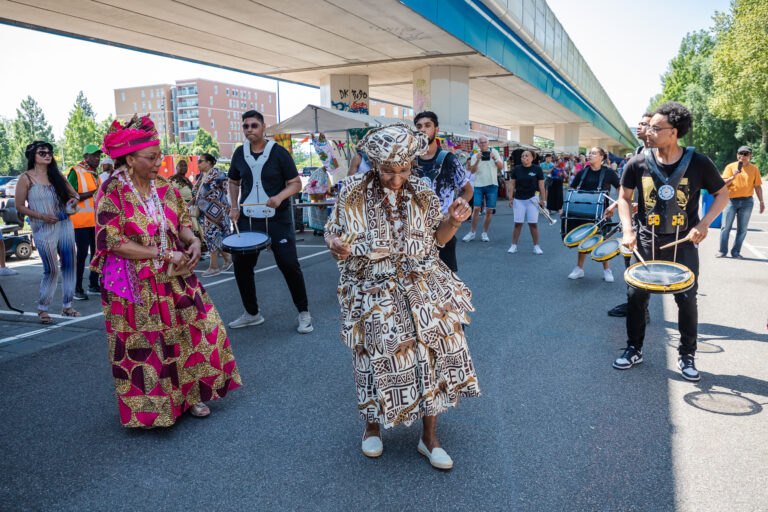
pixel 674 179
pixel 583 173
pixel 667 214
pixel 255 207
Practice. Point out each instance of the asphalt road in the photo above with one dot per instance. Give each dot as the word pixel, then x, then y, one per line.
pixel 556 429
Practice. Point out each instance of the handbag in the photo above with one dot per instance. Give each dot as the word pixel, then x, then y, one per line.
pixel 193 209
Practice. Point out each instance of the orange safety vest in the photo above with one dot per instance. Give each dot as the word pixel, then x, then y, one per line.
pixel 86 182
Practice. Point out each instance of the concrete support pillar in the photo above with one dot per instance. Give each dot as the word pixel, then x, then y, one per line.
pixel 445 91
pixel 345 92
pixel 567 138
pixel 526 135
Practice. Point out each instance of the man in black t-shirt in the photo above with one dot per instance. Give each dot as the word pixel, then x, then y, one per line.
pixel 446 179
pixel 279 181
pixel 670 122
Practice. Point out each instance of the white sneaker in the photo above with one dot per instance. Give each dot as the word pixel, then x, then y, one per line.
pixel 469 236
pixel 512 249
pixel 372 447
pixel 247 319
pixel 608 276
pixel 439 458
pixel 537 250
pixel 484 237
pixel 305 323
pixel 5 271
pixel 576 273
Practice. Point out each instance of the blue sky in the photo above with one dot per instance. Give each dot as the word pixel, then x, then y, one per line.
pixel 626 44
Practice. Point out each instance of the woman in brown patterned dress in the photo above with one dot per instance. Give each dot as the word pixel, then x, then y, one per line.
pixel 402 308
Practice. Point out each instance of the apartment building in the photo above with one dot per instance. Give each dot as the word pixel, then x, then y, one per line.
pixel 155 100
pixel 382 108
pixel 179 110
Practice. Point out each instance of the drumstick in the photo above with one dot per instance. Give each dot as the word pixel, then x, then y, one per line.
pixel 253 204
pixel 237 229
pixel 672 244
pixel 640 258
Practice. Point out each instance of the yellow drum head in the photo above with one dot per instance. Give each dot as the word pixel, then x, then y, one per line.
pixel 590 243
pixel 660 277
pixel 579 234
pixel 606 249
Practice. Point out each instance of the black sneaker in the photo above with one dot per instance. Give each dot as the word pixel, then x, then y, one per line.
pixel 94 290
pixel 619 311
pixel 628 359
pixel 80 295
pixel 688 368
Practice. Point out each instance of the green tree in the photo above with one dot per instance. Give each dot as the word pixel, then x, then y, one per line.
pixel 740 68
pixel 82 102
pixel 30 125
pixel 6 145
pixel 81 130
pixel 205 143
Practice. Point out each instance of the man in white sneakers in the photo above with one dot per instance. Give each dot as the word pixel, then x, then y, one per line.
pixel 485 165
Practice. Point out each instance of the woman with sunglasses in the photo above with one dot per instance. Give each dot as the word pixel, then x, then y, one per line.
pixel 167 345
pixel 402 307
pixel 46 197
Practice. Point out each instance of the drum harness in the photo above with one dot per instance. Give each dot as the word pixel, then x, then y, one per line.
pixel 253 207
pixel 666 215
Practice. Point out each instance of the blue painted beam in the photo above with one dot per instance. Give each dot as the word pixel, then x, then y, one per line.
pixel 474 24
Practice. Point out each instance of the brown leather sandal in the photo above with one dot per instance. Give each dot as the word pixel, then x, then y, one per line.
pixel 70 312
pixel 44 317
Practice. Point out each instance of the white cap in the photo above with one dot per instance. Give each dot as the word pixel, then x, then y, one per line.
pixel 107 160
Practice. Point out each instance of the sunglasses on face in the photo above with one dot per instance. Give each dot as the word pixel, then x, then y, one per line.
pixel 45 153
pixel 252 126
pixel 745 154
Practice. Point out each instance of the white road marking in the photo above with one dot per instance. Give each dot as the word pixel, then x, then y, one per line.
pixel 755 251
pixel 29 313
pixel 94 315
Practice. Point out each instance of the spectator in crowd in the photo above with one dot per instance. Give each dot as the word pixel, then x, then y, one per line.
pixel 485 165
pixel 525 181
pixel 43 195
pixel 743 180
pixel 212 201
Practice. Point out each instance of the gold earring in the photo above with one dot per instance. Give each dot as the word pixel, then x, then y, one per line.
pixel 130 171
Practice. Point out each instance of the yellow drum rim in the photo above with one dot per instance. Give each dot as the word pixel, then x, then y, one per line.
pixel 610 254
pixel 589 248
pixel 661 288
pixel 625 250
pixel 574 244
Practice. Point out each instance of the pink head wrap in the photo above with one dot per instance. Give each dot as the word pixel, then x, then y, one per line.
pixel 134 135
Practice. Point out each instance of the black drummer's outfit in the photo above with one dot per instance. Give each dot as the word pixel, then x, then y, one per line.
pixel 277 170
pixel 701 173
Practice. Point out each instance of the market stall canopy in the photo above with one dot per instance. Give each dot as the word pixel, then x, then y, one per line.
pixel 314 119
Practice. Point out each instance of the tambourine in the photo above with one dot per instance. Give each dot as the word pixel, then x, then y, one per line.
pixel 660 277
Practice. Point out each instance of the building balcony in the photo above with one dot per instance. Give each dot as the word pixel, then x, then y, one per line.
pixel 189 114
pixel 189 127
pixel 187 91
pixel 187 138
pixel 188 103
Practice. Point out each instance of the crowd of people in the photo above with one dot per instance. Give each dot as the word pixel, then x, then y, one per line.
pixel 392 230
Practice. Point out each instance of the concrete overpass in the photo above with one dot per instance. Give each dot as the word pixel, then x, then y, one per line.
pixel 506 63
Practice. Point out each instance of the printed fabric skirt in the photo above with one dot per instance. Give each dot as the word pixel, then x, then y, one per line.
pixel 409 351
pixel 168 354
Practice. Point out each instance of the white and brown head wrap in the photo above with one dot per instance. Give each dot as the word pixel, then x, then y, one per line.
pixel 395 145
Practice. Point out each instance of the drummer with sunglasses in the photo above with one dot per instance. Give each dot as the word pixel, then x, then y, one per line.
pixel 278 180
pixel 665 191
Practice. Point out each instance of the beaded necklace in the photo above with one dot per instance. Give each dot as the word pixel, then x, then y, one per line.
pixel 154 210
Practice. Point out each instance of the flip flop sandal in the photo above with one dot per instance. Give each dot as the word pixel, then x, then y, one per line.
pixel 199 410
pixel 70 312
pixel 45 319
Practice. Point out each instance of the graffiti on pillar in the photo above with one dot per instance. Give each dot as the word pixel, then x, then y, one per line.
pixel 351 100
pixel 421 96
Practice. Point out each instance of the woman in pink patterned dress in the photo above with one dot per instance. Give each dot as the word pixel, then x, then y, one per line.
pixel 168 347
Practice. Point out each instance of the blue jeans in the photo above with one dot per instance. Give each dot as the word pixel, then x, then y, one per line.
pixel 741 209
pixel 490 193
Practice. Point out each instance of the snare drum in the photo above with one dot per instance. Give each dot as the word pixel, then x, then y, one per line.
pixel 660 277
pixel 606 249
pixel 246 242
pixel 579 234
pixel 625 251
pixel 590 243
